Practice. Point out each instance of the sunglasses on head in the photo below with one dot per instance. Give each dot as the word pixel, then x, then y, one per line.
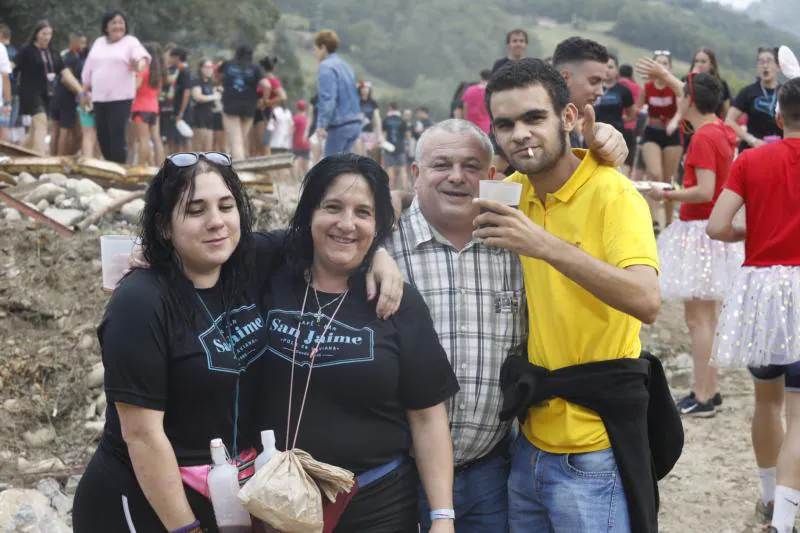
pixel 188 159
pixel 662 53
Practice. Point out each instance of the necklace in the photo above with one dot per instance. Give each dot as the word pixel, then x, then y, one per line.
pixel 320 308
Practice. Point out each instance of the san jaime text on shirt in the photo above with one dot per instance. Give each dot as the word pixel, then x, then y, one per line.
pixel 341 344
pixel 242 347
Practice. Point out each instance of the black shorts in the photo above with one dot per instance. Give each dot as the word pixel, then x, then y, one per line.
pixel 169 133
pixel 660 137
pixel 790 374
pixel 109 499
pixel 203 119
pixel 239 108
pixel 66 114
pixel 33 103
pixel 216 122
pixel 630 141
pixel 142 116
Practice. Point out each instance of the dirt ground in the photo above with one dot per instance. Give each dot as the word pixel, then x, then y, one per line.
pixel 51 300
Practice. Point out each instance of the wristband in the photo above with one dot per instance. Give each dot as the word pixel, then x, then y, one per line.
pixel 443 514
pixel 187 527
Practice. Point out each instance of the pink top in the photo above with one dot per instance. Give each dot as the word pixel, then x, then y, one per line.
pixel 476 107
pixel 109 69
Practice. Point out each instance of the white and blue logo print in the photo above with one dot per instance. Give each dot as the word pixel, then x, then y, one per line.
pixel 244 345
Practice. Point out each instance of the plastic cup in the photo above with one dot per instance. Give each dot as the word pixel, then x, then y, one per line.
pixel 114 253
pixel 500 191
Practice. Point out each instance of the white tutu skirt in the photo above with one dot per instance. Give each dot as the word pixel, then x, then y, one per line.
pixel 760 320
pixel 694 267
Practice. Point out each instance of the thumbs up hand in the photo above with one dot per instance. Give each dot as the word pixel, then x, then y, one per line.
pixel 603 140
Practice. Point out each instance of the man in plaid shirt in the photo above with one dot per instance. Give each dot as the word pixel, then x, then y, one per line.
pixel 477 300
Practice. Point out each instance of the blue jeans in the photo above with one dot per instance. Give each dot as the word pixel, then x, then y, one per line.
pixel 565 493
pixel 480 497
pixel 342 138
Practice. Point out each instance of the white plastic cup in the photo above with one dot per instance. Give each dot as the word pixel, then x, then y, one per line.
pixel 502 192
pixel 115 251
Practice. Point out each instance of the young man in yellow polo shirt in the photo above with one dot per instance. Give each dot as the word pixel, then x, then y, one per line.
pixel 589 260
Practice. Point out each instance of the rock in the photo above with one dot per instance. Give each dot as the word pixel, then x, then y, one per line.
pixel 39 438
pixel 95 377
pixel 46 465
pixel 101 404
pixel 95 425
pixel 98 202
pixel 93 229
pixel 132 211
pixel 69 203
pixel 28 511
pixel 91 411
pixel 49 487
pixel 67 217
pixel 24 178
pixel 72 484
pixel 116 194
pixel 86 342
pixel 682 361
pixel 13 214
pixel 42 205
pixel 62 504
pixel 58 500
pixel 83 187
pixel 45 191
pixel 60 199
pixel 12 405
pixel 58 179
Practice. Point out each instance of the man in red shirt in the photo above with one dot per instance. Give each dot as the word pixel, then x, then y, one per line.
pixel 475 105
pixel 760 318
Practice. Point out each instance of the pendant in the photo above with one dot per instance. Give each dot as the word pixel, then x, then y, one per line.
pixel 319 317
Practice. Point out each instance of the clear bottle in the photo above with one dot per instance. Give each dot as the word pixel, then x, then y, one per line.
pixel 223 485
pixel 268 442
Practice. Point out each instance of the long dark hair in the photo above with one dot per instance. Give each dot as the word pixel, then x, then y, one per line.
pixel 42 24
pixel 162 197
pixel 243 55
pixel 157 68
pixel 299 243
pixel 712 58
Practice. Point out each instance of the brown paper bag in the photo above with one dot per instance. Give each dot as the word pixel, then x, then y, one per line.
pixel 284 496
pixel 332 480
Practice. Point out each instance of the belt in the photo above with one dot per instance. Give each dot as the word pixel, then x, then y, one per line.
pixel 500 450
pixel 374 474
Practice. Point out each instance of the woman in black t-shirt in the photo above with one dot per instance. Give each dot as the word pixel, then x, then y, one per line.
pixel 38 66
pixel 369 144
pixel 375 388
pixel 207 98
pixel 758 101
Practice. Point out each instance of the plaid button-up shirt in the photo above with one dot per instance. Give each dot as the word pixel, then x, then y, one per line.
pixel 476 297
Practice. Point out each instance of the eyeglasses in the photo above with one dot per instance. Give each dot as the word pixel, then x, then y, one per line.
pixel 662 53
pixel 768 61
pixel 188 159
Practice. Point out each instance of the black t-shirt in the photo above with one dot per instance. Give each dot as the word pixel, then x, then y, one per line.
pixel 178 80
pixel 155 359
pixel 314 101
pixel 420 125
pixel 759 104
pixel 32 66
pixel 207 89
pixel 240 83
pixel 499 64
pixel 394 130
pixel 610 106
pixel 367 373
pixel 368 109
pixel 74 62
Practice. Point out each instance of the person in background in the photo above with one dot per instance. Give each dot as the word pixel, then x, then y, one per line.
pixel 301 147
pixel 661 147
pixel 631 132
pixel 206 97
pixel 339 119
pixel 174 98
pixel 220 144
pixel 422 123
pixel 6 98
pixel 395 133
pixel 240 81
pixel 38 66
pixel 760 316
pixel 65 135
pixel 758 101
pixel 705 61
pixel 260 142
pixel 411 145
pixel 371 134
pixel 616 106
pixel 317 145
pixel 108 75
pixel 517 44
pixel 457 101
pixel 145 108
pixel 475 103
pixel 281 141
pixel 89 146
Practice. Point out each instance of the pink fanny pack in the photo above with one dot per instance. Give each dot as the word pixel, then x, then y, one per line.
pixel 196 477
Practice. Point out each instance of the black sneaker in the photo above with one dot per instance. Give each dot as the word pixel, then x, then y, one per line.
pixel 700 410
pixel 716 400
pixel 686 401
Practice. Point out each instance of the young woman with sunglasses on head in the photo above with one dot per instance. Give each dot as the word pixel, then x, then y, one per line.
pixel 178 341
pixel 758 101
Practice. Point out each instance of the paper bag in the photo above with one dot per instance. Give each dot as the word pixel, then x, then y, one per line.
pixel 332 480
pixel 284 496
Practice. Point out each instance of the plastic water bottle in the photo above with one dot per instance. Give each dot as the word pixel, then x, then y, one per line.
pixel 268 442
pixel 223 485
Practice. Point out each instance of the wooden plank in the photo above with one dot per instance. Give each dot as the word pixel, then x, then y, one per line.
pixel 265 163
pixel 15 150
pixel 23 208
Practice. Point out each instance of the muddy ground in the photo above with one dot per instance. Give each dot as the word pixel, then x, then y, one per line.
pixel 51 301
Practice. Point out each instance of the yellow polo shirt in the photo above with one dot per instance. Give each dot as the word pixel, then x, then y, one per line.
pixel 599 211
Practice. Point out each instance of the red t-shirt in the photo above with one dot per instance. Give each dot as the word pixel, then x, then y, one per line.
pixel 712 148
pixel 274 84
pixel 768 178
pixel 299 139
pixel 635 90
pixel 476 107
pixel 661 103
pixel 146 99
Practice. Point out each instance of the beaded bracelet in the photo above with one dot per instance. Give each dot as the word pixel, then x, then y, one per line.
pixel 187 528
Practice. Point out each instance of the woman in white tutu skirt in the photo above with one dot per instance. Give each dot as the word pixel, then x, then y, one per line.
pixel 759 326
pixel 694 268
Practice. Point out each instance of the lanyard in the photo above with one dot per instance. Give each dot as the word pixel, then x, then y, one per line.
pixel 772 100
pixel 47 60
pixel 310 368
pixel 228 339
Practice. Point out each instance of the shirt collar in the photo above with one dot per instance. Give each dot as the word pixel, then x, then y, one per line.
pixel 581 175
pixel 420 231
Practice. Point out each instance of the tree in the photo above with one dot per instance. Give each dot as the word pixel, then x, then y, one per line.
pixel 289 66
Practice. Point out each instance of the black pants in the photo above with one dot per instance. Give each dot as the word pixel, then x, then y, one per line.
pixel 109 500
pixel 111 123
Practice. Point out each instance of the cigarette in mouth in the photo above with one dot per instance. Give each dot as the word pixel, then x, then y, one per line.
pixel 530 152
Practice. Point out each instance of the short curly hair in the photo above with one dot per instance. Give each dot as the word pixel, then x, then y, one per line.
pixel 525 73
pixel 578 49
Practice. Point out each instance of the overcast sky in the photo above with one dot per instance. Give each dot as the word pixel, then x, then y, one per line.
pixel 739 4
